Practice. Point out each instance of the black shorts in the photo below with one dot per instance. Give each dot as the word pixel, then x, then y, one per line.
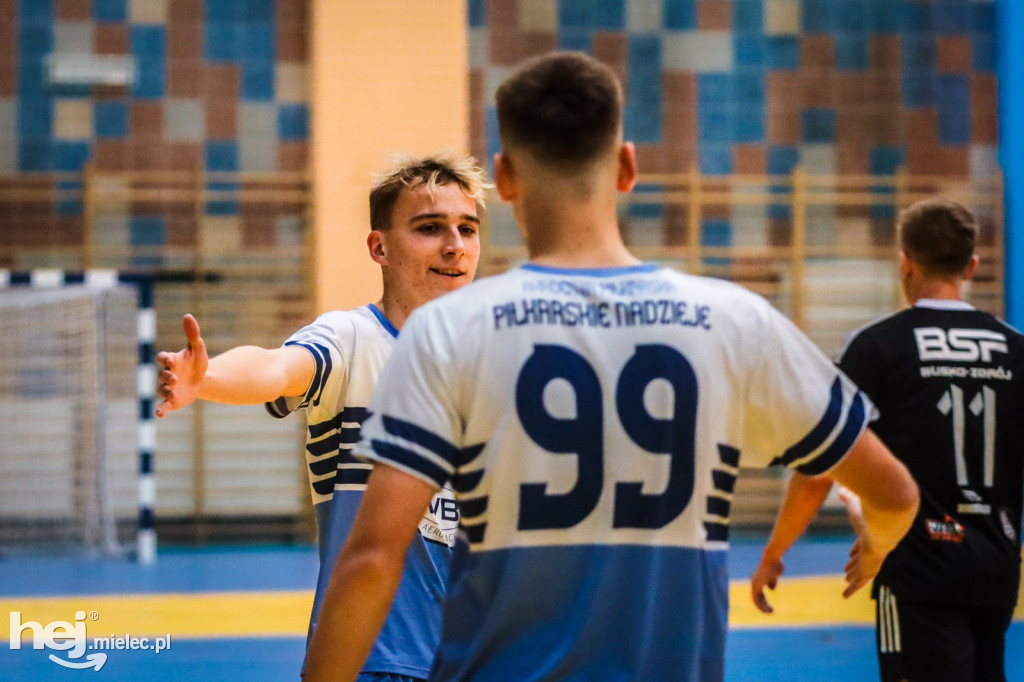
pixel 926 642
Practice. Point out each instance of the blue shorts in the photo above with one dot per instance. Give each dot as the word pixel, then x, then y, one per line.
pixel 387 677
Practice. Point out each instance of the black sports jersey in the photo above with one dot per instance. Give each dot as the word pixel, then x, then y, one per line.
pixel 948 381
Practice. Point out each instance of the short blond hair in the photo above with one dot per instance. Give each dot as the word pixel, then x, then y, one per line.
pixel 430 172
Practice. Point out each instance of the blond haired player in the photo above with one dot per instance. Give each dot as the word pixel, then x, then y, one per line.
pixel 425 236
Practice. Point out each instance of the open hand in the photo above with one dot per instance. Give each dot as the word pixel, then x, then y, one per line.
pixel 180 380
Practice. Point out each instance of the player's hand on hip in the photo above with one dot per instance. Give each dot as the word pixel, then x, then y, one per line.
pixel 183 372
pixel 767 575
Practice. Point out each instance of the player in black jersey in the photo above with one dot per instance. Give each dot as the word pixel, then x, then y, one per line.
pixel 948 382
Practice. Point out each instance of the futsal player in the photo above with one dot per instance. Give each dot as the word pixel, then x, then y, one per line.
pixel 590 412
pixel 949 382
pixel 425 236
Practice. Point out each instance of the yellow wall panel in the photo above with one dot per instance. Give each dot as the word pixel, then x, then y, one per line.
pixel 387 77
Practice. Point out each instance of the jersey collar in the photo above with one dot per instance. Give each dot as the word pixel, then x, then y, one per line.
pixel 642 268
pixel 943 304
pixel 384 322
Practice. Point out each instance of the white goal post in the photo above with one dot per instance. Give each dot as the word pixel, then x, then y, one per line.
pixel 77 391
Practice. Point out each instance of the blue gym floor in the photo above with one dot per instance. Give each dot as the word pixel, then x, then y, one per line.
pixel 834 653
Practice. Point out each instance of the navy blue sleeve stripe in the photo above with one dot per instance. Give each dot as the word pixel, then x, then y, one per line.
pixel 716 531
pixel 412 460
pixel 424 438
pixel 464 483
pixel 471 508
pixel 855 423
pixel 318 372
pixel 354 414
pixel 324 466
pixel 317 430
pixel 352 476
pixel 475 533
pixel 723 481
pixel 351 415
pixel 348 456
pixel 468 454
pixel 322 358
pixel 319 448
pixel 730 456
pixel 325 374
pixel 822 429
pixel 278 408
pixel 324 487
pixel 349 436
pixel 719 506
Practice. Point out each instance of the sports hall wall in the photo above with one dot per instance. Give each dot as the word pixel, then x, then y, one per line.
pixel 201 175
pixel 221 87
pixel 749 87
pixel 196 175
pixel 754 86
pixel 204 173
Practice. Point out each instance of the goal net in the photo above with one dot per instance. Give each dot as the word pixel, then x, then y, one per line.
pixel 68 420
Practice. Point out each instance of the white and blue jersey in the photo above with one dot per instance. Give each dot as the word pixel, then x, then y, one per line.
pixel 592 423
pixel 350 349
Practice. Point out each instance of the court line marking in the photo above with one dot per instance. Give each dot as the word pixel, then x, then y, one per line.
pixel 806 601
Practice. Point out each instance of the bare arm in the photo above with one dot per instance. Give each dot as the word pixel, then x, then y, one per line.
pixel 804 497
pixel 246 375
pixel 888 499
pixel 367 574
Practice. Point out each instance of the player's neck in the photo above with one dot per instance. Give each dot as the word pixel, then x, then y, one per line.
pixel 935 290
pixel 394 309
pixel 574 235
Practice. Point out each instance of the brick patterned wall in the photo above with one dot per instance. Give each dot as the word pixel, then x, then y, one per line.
pixel 221 86
pixel 759 86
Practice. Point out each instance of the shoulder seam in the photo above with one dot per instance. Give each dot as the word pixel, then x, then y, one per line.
pixel 856 333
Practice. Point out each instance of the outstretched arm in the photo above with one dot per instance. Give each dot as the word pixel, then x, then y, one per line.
pixel 246 375
pixel 804 497
pixel 367 574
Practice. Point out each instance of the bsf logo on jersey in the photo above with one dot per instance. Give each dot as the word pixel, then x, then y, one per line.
pixel 962 345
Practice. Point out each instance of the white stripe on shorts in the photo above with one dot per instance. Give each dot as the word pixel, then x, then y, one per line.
pixel 888 622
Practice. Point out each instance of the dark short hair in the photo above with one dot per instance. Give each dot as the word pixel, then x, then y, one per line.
pixel 938 234
pixel 565 108
pixel 408 172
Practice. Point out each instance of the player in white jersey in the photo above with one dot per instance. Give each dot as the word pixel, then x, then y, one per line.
pixel 424 234
pixel 590 412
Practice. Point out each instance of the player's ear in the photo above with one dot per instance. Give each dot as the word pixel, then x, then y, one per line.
pixel 375 245
pixel 971 267
pixel 906 275
pixel 626 177
pixel 504 177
